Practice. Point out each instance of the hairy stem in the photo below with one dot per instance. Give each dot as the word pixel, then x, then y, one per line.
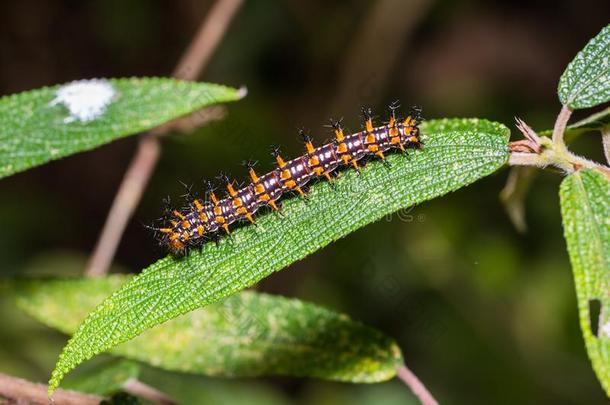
pixel 561 159
pixel 419 389
pixel 24 391
pixel 543 152
pixel 142 166
pixel 560 127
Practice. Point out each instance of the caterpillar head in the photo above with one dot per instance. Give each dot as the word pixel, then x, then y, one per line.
pixel 410 133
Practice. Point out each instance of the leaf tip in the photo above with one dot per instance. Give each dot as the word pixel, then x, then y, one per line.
pixel 59 372
pixel 54 383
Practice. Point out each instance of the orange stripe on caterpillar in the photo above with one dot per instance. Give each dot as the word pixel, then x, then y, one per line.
pixel 201 221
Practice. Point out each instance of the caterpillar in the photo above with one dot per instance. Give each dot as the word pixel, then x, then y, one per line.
pixel 207 218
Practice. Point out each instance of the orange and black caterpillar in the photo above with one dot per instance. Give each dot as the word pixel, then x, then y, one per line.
pixel 205 219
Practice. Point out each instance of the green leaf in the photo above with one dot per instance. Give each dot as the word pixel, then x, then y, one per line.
pixel 248 334
pixel 105 379
pixel 585 208
pixel 586 80
pixel 35 129
pixel 457 152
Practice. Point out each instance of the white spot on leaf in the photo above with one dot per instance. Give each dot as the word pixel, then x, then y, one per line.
pixel 86 100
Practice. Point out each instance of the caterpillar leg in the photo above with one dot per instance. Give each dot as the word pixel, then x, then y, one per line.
pixel 299 190
pixel 274 205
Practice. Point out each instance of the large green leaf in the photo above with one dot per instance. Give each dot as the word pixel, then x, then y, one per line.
pixel 457 152
pixel 248 334
pixel 35 128
pixel 585 207
pixel 586 80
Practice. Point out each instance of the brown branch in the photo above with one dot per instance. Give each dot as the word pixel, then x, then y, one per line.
pixel 419 389
pixel 211 31
pixel 140 389
pixel 140 169
pixel 25 391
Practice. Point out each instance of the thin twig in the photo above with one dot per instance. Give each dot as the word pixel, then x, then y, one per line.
pixel 127 198
pixel 560 126
pixel 526 159
pixel 211 31
pixel 136 387
pixel 419 389
pixel 143 163
pixel 25 391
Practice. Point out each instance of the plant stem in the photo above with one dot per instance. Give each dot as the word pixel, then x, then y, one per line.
pixel 420 391
pixel 560 158
pixel 542 152
pixel 140 169
pixel 28 392
pixel 560 127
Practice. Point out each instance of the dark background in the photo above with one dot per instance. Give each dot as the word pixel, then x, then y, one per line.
pixel 482 313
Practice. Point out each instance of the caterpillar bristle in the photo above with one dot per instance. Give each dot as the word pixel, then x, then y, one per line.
pixel 367 112
pixel 305 136
pixel 224 177
pixel 416 113
pixel 208 218
pixel 249 164
pixel 188 195
pixel 274 150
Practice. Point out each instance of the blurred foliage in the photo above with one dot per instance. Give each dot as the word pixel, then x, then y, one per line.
pixel 482 314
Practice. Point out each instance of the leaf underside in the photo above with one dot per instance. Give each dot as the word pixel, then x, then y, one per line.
pixel 586 81
pixel 247 334
pixel 585 208
pixel 457 152
pixel 34 131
